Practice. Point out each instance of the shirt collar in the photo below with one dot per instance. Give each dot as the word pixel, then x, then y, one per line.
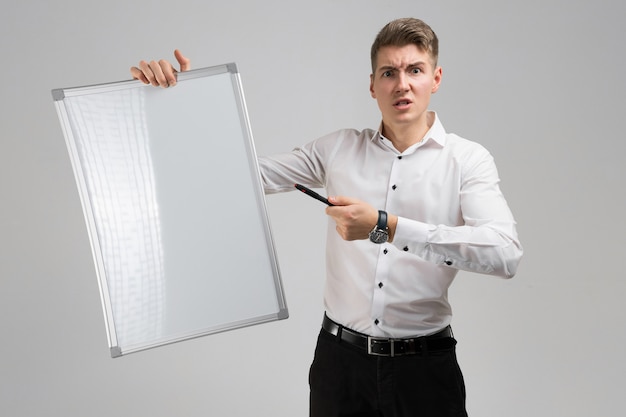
pixel 436 134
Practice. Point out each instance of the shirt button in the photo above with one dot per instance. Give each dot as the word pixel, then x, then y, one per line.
pixel 376 322
pixel 380 285
pixel 393 187
pixel 400 157
pixel 385 251
pixel 406 249
pixel 448 262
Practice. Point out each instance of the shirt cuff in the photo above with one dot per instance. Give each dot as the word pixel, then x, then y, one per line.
pixel 410 234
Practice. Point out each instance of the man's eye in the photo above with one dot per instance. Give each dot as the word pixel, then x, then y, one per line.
pixel 416 70
pixel 387 74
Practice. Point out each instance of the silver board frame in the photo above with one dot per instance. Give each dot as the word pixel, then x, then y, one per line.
pixel 174 207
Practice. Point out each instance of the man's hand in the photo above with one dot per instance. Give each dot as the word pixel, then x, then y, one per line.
pixel 160 73
pixel 355 219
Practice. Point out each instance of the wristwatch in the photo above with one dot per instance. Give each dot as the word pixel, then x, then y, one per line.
pixel 380 232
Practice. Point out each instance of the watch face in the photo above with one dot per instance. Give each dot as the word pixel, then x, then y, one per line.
pixel 379 236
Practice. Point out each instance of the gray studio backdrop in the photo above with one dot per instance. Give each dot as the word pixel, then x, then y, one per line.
pixel 539 83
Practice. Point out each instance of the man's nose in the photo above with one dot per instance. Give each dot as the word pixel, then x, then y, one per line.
pixel 403 82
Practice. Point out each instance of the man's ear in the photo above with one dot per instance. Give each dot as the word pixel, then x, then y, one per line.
pixel 372 86
pixel 437 79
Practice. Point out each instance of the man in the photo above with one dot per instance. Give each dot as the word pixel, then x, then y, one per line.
pixel 412 205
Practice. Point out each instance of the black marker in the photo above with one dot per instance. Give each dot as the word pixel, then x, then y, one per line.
pixel 313 194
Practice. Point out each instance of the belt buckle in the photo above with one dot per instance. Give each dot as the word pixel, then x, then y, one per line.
pixel 371 340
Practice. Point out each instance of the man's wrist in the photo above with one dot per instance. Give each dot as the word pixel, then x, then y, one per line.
pixel 392 223
pixel 380 233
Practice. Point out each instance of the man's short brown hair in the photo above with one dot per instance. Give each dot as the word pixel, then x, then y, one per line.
pixel 406 31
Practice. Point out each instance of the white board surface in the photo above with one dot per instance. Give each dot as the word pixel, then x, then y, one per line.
pixel 174 207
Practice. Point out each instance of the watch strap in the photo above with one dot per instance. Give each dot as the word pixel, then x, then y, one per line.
pixel 382 220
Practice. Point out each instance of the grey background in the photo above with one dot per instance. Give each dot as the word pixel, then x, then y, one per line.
pixel 539 83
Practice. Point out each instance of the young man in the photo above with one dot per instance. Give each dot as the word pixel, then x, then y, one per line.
pixel 412 206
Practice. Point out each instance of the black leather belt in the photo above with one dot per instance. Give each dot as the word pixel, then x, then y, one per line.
pixel 381 346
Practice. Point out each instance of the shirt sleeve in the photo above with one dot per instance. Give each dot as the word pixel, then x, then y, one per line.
pixel 486 242
pixel 304 165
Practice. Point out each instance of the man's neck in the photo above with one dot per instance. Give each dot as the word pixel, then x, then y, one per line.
pixel 403 136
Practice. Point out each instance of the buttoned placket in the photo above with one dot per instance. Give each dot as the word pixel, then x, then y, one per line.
pixel 385 256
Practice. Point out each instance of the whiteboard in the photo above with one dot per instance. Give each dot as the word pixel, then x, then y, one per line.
pixel 174 206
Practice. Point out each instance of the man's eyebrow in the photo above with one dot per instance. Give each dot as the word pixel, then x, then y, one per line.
pixel 393 67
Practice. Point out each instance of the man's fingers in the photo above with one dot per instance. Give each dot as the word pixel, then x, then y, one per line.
pixel 156 73
pixel 354 218
pixel 185 63
pixel 138 74
pixel 169 73
pixel 147 72
pixel 342 200
pixel 160 73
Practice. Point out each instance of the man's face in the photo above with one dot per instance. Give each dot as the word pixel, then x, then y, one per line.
pixel 403 83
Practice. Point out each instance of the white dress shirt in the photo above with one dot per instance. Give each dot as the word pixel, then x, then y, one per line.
pixel 451 216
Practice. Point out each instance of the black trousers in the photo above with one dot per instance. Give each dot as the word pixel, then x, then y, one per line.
pixel 347 382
